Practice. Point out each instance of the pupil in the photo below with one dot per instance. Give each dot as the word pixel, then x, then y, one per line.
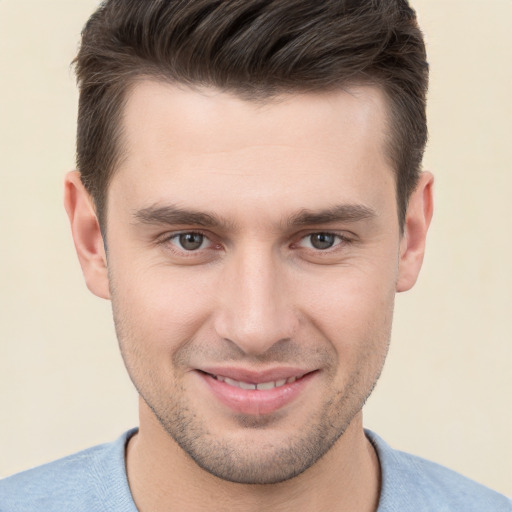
pixel 191 241
pixel 322 240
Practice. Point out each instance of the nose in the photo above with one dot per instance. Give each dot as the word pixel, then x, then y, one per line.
pixel 255 304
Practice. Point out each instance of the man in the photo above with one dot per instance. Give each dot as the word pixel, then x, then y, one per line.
pixel 249 197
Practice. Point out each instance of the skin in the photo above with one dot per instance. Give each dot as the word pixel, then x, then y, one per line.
pixel 256 294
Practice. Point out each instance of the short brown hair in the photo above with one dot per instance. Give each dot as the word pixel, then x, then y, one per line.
pixel 255 49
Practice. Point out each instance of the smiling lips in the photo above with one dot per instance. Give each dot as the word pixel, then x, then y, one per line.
pixel 256 394
pixel 261 386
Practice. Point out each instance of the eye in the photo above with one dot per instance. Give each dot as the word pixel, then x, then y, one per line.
pixel 189 241
pixel 321 241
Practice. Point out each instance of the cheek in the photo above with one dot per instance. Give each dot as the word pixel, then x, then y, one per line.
pixel 358 327
pixel 353 310
pixel 158 309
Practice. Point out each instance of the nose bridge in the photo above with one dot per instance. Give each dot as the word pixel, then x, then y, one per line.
pixel 255 311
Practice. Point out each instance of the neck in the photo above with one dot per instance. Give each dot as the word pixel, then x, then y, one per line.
pixel 163 477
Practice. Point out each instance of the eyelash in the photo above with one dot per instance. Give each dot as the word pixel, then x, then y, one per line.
pixel 340 240
pixel 175 236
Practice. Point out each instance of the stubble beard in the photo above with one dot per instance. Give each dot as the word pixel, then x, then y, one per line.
pixel 244 463
pixel 241 461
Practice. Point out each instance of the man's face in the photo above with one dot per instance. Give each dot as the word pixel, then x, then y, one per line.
pixel 253 244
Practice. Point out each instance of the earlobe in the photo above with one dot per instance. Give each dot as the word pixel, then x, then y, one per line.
pixel 417 222
pixel 86 235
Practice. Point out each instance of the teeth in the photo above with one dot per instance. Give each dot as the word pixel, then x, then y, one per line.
pixel 246 385
pixel 231 382
pixel 266 385
pixel 261 386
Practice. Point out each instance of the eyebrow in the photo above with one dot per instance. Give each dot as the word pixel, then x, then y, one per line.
pixel 171 215
pixel 174 215
pixel 338 213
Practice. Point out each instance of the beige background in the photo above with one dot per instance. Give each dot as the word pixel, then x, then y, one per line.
pixel 446 390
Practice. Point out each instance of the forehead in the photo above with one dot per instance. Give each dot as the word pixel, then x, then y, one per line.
pixel 179 139
pixel 220 117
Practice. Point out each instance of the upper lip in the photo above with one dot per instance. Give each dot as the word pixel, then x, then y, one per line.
pixel 256 376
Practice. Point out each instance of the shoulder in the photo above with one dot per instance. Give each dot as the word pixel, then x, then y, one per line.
pixel 410 483
pixel 87 481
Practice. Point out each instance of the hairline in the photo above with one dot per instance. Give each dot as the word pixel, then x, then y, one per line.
pixel 257 95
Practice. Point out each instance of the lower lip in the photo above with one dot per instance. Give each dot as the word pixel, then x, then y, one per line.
pixel 254 401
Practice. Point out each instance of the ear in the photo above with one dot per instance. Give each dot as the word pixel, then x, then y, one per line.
pixel 86 235
pixel 417 221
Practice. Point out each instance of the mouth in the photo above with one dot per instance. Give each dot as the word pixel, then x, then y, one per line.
pixel 253 393
pixel 260 386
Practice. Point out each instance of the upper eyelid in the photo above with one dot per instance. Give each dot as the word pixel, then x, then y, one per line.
pixel 168 242
pixel 171 234
pixel 176 236
pixel 343 236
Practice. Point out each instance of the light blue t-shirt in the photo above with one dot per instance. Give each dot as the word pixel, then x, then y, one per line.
pixel 94 480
